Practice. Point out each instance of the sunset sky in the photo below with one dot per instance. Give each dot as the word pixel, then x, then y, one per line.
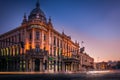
pixel 96 22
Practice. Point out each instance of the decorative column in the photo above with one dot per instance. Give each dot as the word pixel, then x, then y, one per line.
pixel 26 65
pixel 41 65
pixel 72 67
pixel 33 64
pixel 63 66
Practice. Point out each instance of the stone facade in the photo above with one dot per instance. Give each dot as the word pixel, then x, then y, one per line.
pixel 45 49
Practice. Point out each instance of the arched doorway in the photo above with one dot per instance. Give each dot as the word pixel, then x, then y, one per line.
pixel 37 64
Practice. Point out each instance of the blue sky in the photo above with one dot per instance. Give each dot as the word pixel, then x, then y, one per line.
pixel 96 22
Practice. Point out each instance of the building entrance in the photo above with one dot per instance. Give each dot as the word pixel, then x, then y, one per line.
pixel 68 67
pixel 37 64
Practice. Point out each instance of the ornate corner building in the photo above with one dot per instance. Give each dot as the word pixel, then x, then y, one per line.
pixel 45 49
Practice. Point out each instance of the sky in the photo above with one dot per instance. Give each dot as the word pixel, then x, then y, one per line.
pixel 96 22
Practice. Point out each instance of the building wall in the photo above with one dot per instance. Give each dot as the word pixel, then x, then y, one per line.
pixel 45 49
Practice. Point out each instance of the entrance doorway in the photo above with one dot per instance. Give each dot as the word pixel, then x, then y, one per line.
pixel 67 67
pixel 37 64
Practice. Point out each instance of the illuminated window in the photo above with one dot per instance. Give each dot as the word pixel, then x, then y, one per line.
pixel 7 51
pixel 1 52
pixel 24 64
pixel 20 65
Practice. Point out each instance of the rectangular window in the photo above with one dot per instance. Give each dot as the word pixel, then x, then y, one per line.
pixel 44 37
pixel 30 47
pixel 60 44
pixel 51 51
pixel 19 35
pixel 5 42
pixel 12 39
pixel 57 42
pixel 15 38
pixel 54 51
pixel 37 48
pixel 9 41
pixel 44 48
pixel 54 40
pixel 30 36
pixel 37 35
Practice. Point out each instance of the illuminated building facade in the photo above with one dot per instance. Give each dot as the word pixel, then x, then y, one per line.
pixel 45 49
pixel 102 66
pixel 86 62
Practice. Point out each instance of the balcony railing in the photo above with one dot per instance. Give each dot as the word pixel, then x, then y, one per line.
pixel 40 52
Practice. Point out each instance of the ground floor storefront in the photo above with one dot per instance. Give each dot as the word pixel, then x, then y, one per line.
pixel 37 63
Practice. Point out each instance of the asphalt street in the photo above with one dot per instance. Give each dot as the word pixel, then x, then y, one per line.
pixel 89 75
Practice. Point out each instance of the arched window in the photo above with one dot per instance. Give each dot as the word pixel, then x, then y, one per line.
pixel 6 51
pixel 17 50
pixel 1 52
pixel 13 51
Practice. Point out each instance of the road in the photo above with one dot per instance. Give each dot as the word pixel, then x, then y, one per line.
pixel 90 75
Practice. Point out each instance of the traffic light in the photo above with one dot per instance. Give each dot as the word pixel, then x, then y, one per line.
pixel 22 44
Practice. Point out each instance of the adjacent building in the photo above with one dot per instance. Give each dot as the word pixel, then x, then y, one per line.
pixel 102 66
pixel 45 49
pixel 86 62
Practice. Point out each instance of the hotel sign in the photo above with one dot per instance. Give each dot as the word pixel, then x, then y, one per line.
pixel 39 27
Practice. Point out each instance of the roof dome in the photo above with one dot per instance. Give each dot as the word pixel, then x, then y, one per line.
pixel 37 13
